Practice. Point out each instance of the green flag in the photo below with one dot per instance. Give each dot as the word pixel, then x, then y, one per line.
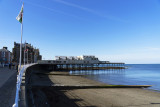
pixel 20 16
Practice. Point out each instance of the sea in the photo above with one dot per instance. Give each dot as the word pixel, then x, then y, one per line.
pixel 135 74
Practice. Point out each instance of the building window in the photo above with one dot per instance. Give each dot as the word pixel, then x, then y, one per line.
pixel 3 54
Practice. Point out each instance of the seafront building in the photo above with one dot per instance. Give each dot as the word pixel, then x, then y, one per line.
pixel 84 59
pixel 5 56
pixel 31 54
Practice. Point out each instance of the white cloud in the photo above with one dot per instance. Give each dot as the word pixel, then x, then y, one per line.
pixel 53 10
pixel 90 10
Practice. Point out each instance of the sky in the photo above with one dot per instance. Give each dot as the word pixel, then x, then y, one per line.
pixel 113 30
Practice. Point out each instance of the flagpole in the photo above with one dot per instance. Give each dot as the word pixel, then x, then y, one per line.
pixel 24 52
pixel 20 59
pixel 27 56
pixel 19 76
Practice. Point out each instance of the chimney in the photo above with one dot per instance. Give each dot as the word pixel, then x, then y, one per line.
pixel 5 48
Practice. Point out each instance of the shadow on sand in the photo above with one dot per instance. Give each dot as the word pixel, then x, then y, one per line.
pixel 40 93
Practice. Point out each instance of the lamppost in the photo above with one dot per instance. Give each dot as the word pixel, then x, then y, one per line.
pixel 31 57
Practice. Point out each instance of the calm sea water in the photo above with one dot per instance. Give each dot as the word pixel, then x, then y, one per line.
pixel 136 74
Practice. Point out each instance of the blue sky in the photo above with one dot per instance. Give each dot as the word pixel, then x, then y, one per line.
pixel 115 30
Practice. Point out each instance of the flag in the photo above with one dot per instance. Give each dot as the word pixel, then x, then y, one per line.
pixel 20 16
pixel 26 50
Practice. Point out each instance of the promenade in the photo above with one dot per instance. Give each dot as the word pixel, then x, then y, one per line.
pixel 8 78
pixel 77 95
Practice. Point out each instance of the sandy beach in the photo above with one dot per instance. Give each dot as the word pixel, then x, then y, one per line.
pixel 96 97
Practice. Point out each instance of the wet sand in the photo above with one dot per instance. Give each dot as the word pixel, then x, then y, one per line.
pixel 96 97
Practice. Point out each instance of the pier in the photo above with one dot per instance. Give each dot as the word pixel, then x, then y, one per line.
pixel 80 63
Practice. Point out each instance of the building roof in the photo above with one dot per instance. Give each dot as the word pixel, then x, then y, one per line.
pixel 4 50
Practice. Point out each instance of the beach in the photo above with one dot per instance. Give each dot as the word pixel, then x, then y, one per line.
pixel 44 85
